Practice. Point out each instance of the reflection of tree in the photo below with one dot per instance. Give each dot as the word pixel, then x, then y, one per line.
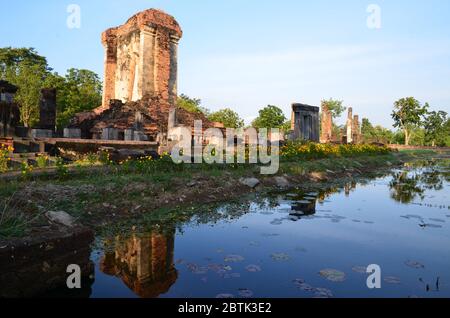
pixel 407 185
pixel 144 263
pixel 404 187
pixel 432 180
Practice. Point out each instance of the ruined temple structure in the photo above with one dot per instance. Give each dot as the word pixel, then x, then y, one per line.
pixel 140 86
pixel 305 122
pixel 326 135
pixel 47 109
pixel 9 111
pixel 353 130
pixel 144 263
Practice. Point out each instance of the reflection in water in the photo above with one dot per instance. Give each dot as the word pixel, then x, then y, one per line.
pixel 410 184
pixel 144 263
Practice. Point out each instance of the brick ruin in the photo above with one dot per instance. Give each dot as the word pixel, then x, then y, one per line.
pixel 326 135
pixel 351 134
pixel 140 85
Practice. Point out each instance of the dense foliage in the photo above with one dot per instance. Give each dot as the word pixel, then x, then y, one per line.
pixel 77 91
pixel 304 151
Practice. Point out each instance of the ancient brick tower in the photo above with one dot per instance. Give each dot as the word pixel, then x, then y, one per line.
pixel 141 58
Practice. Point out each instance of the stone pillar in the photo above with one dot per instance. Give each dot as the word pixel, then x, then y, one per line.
pixel 47 119
pixel 172 119
pixel 292 120
pixel 350 126
pixel 109 40
pixel 356 130
pixel 327 124
pixel 173 69
pixel 145 73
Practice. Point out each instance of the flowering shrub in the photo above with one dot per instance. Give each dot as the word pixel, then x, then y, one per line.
pixel 4 157
pixel 296 150
pixel 42 161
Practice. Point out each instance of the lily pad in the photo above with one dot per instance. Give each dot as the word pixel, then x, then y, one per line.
pixel 414 264
pixel 277 222
pixel 333 275
pixel 270 234
pixel 392 280
pixel 322 293
pixel 225 296
pixel 233 258
pixel 232 275
pixel 359 269
pixel 195 269
pixel 280 257
pixel 253 268
pixel 245 293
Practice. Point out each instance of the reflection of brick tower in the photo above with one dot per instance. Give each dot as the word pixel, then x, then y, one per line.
pixel 144 263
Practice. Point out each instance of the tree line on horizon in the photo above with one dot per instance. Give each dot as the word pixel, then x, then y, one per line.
pixel 81 90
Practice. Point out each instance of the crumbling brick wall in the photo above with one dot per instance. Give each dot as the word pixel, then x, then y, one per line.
pixel 141 58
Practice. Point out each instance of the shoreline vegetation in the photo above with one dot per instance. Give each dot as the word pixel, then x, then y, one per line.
pixel 106 198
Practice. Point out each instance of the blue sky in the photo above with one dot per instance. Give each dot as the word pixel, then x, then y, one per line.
pixel 245 54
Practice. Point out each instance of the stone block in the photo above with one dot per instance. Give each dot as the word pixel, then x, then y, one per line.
pixel 41 133
pixel 129 134
pixel 140 136
pixel 110 134
pixel 73 133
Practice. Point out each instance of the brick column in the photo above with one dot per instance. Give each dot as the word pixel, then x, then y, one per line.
pixel 173 79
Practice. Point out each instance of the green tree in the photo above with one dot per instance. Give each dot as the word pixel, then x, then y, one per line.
pixel 30 80
pixel 336 107
pixel 270 117
pixel 435 129
pixel 228 117
pixel 366 127
pixel 11 58
pixel 408 114
pixel 192 105
pixel 26 69
pixel 80 90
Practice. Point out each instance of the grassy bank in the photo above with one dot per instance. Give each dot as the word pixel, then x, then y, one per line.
pixel 156 191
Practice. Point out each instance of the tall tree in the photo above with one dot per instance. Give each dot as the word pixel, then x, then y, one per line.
pixel 80 90
pixel 29 79
pixel 228 117
pixel 336 107
pixel 26 69
pixel 408 113
pixel 435 131
pixel 270 117
pixel 10 58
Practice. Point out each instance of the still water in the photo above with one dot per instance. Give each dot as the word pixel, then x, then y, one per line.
pixel 314 243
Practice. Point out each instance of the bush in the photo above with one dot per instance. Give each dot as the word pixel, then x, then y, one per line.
pixel 4 157
pixel 303 151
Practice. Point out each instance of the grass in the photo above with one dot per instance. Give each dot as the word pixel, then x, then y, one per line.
pixel 139 182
